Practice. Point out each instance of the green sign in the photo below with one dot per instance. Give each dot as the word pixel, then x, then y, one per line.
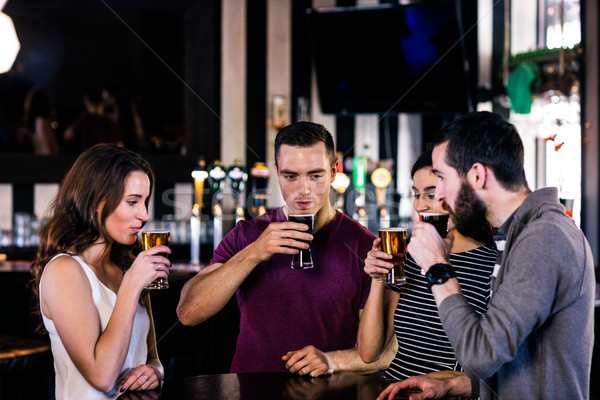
pixel 359 172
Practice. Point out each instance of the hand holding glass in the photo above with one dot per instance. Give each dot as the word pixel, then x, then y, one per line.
pixel 393 241
pixel 156 238
pixel 437 219
pixel 303 260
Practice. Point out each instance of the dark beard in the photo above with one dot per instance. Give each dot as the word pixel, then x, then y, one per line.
pixel 469 215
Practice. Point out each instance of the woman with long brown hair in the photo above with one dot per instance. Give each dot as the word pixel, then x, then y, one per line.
pixel 90 276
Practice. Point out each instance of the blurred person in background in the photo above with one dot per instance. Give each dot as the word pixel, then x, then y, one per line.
pixel 121 107
pixel 92 126
pixel 38 115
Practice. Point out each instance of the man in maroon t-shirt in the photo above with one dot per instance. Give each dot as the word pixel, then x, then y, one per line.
pixel 302 320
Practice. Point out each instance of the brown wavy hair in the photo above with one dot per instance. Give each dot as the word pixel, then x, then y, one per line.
pixel 97 176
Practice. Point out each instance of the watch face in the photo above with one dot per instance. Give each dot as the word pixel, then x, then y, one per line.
pixel 437 273
pixel 440 273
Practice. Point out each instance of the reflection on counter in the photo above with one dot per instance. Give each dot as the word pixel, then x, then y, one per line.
pixel 275 386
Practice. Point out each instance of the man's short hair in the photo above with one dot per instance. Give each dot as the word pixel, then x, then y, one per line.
pixel 486 138
pixel 305 134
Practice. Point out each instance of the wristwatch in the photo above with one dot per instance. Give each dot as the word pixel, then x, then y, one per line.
pixel 438 274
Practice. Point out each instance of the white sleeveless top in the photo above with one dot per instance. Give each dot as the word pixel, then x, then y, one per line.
pixel 70 384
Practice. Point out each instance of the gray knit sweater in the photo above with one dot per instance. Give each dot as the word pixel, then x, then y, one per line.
pixel 536 339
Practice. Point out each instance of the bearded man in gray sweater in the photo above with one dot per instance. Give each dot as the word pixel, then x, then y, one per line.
pixel 535 340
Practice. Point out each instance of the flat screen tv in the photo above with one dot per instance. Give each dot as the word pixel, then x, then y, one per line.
pixel 390 58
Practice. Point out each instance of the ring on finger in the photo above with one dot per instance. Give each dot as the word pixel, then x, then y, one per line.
pixel 147 379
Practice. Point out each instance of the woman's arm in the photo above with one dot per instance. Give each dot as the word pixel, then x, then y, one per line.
pixel 67 300
pixel 376 326
pixel 150 375
pixel 153 360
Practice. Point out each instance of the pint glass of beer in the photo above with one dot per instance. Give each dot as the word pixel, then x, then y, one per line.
pixel 393 241
pixel 437 219
pixel 303 260
pixel 151 238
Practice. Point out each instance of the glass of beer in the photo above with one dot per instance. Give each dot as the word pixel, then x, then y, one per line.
pixel 303 260
pixel 393 241
pixel 437 219
pixel 151 238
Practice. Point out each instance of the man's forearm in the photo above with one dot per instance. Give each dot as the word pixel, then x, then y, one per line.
pixel 443 291
pixel 209 291
pixel 458 384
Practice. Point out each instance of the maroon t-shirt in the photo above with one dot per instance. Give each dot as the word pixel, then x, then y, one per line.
pixel 284 309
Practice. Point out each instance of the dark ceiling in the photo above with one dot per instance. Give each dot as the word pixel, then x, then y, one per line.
pixel 97 4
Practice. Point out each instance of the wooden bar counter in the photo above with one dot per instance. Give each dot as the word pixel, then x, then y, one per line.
pixel 269 386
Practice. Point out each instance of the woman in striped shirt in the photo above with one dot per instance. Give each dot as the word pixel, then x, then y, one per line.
pixel 409 312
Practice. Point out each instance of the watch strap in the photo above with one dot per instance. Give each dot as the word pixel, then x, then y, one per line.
pixel 438 274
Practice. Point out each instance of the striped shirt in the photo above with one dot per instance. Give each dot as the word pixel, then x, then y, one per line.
pixel 423 346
